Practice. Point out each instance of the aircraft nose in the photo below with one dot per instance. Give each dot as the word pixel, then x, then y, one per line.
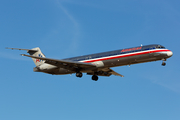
pixel 169 53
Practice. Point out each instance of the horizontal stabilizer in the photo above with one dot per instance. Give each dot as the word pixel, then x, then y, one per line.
pixel 28 50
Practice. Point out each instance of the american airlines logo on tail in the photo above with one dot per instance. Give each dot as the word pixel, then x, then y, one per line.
pixel 38 60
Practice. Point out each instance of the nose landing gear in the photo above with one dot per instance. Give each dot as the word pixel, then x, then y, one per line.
pixel 163 63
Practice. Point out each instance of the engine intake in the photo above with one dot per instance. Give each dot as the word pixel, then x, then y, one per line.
pixel 46 67
pixel 98 64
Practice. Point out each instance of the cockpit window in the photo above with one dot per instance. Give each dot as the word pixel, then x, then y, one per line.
pixel 159 46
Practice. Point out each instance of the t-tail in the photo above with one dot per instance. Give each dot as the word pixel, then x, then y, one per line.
pixel 34 52
pixel 37 53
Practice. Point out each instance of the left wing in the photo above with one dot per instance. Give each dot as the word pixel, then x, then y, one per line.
pixel 67 64
pixel 74 66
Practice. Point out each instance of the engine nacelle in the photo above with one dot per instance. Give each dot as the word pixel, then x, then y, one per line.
pixel 98 64
pixel 46 67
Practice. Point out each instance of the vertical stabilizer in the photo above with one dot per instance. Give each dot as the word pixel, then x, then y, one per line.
pixel 37 53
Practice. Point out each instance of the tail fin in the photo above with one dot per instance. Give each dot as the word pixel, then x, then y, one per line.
pixel 37 52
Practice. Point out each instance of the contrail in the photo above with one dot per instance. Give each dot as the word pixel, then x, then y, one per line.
pixel 76 32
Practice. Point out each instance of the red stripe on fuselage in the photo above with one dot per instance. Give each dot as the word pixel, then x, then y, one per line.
pixel 126 55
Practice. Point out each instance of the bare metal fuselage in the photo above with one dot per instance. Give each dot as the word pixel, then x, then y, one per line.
pixel 98 64
pixel 116 60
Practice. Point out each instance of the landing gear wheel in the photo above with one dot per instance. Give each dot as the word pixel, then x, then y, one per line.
pixel 163 64
pixel 79 74
pixel 95 77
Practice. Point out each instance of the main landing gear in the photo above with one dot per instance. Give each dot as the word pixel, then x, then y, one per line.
pixel 95 77
pixel 79 74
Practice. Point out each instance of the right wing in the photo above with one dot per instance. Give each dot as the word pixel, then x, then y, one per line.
pixel 105 72
pixel 115 73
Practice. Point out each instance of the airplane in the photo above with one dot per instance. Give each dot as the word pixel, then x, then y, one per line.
pixel 98 64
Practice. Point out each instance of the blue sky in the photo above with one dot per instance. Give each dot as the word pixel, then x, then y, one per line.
pixel 67 28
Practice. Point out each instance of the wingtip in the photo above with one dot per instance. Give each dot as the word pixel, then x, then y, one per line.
pixel 8 48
